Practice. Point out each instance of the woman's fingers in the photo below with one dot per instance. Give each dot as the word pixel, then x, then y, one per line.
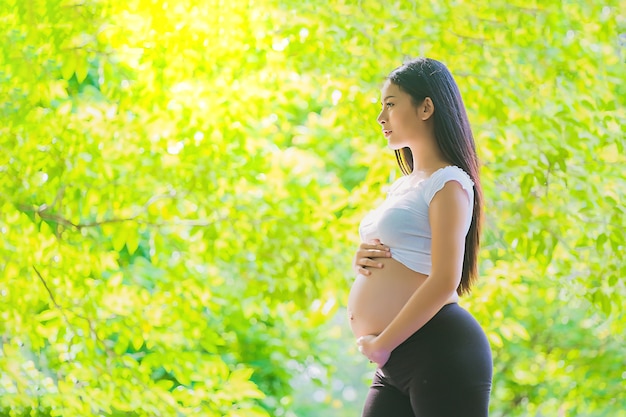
pixel 366 256
pixel 364 263
pixel 362 271
pixel 370 262
pixel 373 253
pixel 373 246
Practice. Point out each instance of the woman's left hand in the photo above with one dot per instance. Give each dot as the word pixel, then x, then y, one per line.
pixel 369 348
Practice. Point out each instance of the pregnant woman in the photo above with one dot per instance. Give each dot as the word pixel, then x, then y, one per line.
pixel 418 254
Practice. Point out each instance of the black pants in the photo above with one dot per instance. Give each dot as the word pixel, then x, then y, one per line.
pixel 443 370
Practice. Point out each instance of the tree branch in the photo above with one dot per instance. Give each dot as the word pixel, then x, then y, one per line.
pixel 61 310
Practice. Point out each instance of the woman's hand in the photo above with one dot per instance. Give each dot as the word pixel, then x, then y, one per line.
pixel 365 254
pixel 368 346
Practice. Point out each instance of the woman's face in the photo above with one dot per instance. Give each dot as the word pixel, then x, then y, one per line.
pixel 401 121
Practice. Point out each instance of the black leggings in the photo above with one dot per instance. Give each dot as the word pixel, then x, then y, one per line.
pixel 442 370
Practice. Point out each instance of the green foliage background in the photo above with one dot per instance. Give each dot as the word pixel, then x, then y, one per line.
pixel 181 184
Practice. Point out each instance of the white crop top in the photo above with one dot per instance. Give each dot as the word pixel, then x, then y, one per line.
pixel 401 221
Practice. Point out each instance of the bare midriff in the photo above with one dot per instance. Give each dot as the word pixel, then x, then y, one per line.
pixel 376 299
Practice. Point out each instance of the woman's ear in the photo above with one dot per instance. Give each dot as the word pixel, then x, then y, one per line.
pixel 427 109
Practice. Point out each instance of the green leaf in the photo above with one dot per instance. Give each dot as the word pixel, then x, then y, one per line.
pixel 68 66
pixel 81 66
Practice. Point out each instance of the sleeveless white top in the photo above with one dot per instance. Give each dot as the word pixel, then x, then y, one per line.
pixel 401 221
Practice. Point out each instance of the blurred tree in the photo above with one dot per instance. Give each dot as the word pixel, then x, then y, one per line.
pixel 181 185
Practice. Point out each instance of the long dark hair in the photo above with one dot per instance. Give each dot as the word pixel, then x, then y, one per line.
pixel 424 77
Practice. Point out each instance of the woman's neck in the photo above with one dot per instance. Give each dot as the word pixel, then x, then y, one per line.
pixel 427 160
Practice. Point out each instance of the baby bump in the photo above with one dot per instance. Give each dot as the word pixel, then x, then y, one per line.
pixel 376 299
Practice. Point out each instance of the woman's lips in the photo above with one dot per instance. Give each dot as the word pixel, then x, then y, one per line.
pixel 386 133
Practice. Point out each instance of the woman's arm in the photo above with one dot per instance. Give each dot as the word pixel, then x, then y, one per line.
pixel 448 213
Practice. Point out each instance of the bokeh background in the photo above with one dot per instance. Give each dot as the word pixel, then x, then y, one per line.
pixel 181 184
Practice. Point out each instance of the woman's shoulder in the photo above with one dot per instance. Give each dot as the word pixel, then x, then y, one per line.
pixel 448 173
pixel 440 177
pixel 431 184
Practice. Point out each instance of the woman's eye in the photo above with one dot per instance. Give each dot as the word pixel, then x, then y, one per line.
pixel 389 105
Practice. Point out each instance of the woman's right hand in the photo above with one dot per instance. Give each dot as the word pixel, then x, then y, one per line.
pixel 364 257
